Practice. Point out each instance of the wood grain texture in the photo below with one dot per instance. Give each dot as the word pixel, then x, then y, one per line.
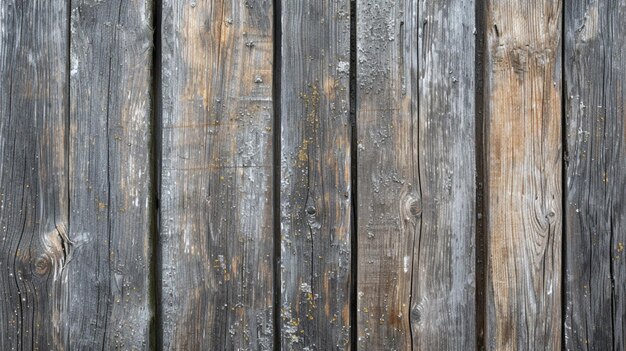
pixel 389 196
pixel 315 198
pixel 111 201
pixel 443 276
pixel 33 173
pixel 523 116
pixel 216 186
pixel 595 70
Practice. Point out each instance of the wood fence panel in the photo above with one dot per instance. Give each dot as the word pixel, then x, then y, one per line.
pixel 151 197
pixel 216 227
pixel 34 215
pixel 443 272
pixel 595 69
pixel 523 116
pixel 107 278
pixel 389 202
pixel 315 192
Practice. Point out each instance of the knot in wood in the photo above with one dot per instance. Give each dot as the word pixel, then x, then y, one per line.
pixel 411 206
pixel 42 265
pixel 415 208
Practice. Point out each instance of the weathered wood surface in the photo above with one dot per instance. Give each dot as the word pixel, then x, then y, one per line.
pixel 416 196
pixel 240 182
pixel 216 226
pixel 443 271
pixel 523 116
pixel 107 278
pixel 389 202
pixel 315 192
pixel 33 173
pixel 595 69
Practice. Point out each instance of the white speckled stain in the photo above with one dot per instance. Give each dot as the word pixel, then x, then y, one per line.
pixel 343 67
pixel 406 264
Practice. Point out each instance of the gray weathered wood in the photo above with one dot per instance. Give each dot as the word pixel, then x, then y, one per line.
pixel 595 70
pixel 315 189
pixel 216 227
pixel 443 273
pixel 389 199
pixel 33 173
pixel 111 203
pixel 523 116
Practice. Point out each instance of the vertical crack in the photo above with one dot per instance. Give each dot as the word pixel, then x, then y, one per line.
pixel 64 332
pixel 67 166
pixel 415 167
pixel 109 254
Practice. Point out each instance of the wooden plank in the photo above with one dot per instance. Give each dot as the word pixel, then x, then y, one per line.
pixel 315 188
pixel 443 278
pixel 595 69
pixel 33 172
pixel 416 197
pixel 111 199
pixel 216 192
pixel 389 198
pixel 523 116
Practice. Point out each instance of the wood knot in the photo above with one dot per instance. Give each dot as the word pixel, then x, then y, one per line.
pixel 415 208
pixel 410 206
pixel 551 217
pixel 416 315
pixel 311 210
pixel 42 266
pixel 519 60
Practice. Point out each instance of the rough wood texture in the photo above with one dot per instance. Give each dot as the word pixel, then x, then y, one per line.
pixel 315 175
pixel 33 173
pixel 78 206
pixel 443 278
pixel 523 116
pixel 595 69
pixel 111 204
pixel 389 200
pixel 216 192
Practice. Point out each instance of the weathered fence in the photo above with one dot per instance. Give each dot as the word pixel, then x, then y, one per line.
pixel 312 175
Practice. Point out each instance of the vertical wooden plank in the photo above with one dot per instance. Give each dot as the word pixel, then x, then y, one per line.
pixel 111 201
pixel 315 175
pixel 33 172
pixel 443 288
pixel 596 175
pixel 523 116
pixel 217 165
pixel 389 198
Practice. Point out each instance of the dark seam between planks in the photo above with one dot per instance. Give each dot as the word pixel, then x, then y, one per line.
pixel 481 177
pixel 156 329
pixel 564 192
pixel 353 178
pixel 276 101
